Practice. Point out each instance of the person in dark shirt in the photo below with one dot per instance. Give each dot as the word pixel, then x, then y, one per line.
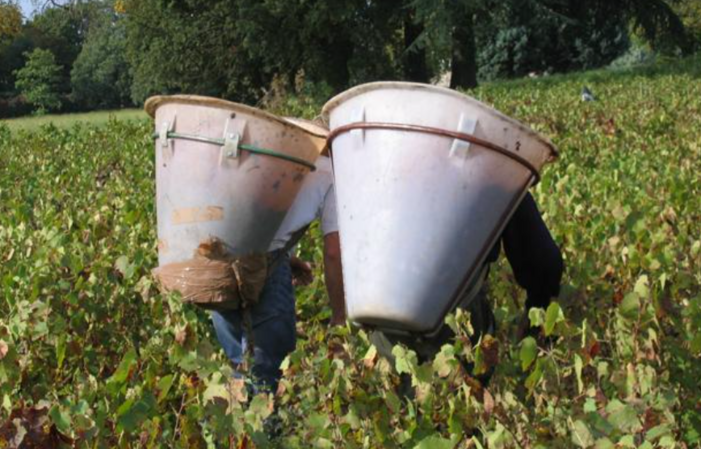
pixel 536 262
pixel 535 258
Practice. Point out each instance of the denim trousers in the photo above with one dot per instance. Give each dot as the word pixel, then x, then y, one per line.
pixel 274 328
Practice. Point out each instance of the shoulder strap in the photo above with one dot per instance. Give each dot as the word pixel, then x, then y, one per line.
pixel 294 239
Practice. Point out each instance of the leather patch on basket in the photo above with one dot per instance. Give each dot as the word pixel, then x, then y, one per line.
pixel 214 280
pixel 198 214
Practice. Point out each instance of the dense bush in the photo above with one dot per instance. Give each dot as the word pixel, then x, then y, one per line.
pixel 637 55
pixel 521 39
pixel 100 77
pixel 38 81
pixel 14 107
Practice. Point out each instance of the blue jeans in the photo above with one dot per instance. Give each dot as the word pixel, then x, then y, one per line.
pixel 274 328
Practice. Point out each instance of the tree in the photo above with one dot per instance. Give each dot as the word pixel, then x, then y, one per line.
pixel 10 29
pixel 656 20
pixel 341 44
pixel 522 36
pixel 415 62
pixel 38 81
pixel 100 76
pixel 448 33
pixel 62 29
pixel 337 43
pixel 189 46
pixel 10 21
pixel 463 58
pixel 515 37
pixel 236 48
pixel 690 11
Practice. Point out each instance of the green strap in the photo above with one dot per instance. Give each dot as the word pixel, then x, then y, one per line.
pixel 245 147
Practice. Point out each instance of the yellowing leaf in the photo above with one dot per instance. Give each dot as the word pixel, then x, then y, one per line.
pixel 581 435
pixel 435 442
pixel 642 287
pixel 164 386
pixel 536 316
pixel 630 306
pixel 578 372
pixel 4 349
pixel 61 418
pixel 553 316
pixel 528 352
pixel 370 357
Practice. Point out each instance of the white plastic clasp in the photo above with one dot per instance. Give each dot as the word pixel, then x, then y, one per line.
pixel 460 148
pixel 166 143
pixel 163 134
pixel 233 132
pixel 358 116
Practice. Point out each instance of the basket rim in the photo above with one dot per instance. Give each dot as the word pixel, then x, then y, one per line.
pixel 334 102
pixel 153 103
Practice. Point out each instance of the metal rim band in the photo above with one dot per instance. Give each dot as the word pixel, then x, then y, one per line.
pixel 439 132
pixel 245 147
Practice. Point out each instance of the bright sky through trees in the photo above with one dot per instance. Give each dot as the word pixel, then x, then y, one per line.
pixel 27 7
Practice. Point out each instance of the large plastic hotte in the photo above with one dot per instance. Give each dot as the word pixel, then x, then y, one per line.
pixel 226 174
pixel 426 179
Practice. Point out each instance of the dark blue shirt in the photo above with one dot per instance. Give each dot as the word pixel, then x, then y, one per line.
pixel 532 253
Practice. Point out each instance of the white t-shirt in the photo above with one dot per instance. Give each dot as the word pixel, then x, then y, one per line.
pixel 316 199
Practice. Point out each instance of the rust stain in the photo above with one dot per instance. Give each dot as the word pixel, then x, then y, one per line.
pixel 198 214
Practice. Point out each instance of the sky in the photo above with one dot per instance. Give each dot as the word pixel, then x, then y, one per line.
pixel 27 7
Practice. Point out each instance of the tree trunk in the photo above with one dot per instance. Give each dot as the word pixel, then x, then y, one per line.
pixel 338 53
pixel 464 58
pixel 415 67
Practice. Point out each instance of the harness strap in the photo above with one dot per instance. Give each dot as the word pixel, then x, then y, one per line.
pixel 438 132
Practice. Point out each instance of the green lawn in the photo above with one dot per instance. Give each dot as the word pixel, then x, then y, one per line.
pixel 32 123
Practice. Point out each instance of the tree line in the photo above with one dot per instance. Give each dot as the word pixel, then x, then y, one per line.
pixel 93 54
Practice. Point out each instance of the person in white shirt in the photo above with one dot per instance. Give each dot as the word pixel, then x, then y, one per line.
pixel 273 316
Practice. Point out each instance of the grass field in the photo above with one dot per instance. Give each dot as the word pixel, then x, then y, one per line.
pixel 92 355
pixel 67 120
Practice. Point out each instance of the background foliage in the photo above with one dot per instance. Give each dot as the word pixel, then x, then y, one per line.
pixel 115 52
pixel 92 356
pixel 39 79
pixel 100 76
